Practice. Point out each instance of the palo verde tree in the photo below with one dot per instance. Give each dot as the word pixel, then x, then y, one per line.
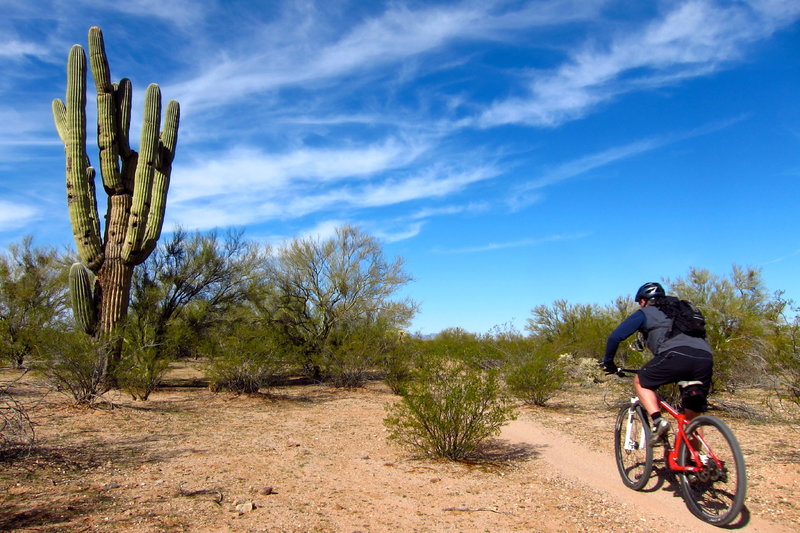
pixel 136 184
pixel 33 298
pixel 320 291
pixel 742 317
pixel 188 288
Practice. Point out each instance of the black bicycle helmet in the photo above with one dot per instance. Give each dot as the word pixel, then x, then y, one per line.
pixel 649 290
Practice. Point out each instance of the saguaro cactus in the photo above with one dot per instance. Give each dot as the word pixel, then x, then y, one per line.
pixel 136 185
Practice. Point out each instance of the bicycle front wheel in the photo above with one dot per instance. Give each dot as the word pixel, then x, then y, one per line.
pixel 716 492
pixel 634 456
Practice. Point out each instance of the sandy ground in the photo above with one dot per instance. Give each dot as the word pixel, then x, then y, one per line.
pixel 312 458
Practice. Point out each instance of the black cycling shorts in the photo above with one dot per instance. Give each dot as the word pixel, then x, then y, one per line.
pixel 678 364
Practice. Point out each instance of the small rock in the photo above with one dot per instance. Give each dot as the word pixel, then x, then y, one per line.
pixel 266 491
pixel 245 507
pixel 112 485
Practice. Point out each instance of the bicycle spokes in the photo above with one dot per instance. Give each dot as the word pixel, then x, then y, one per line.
pixel 634 456
pixel 714 489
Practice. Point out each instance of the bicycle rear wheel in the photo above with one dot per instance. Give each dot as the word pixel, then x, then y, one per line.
pixel 716 493
pixel 634 456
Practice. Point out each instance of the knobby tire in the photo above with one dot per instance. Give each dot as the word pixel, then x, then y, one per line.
pixel 714 496
pixel 634 458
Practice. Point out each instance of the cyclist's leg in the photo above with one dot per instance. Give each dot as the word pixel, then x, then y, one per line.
pixel 650 377
pixel 647 397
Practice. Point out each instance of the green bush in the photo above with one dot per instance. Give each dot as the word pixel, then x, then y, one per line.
pixel 244 361
pixel 354 352
pixel 75 364
pixel 141 372
pixel 449 409
pixel 398 364
pixel 536 377
pixel 243 374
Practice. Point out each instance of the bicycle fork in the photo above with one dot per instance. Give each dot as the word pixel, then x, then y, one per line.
pixel 632 441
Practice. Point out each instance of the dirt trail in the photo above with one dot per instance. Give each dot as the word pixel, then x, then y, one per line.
pixel 598 472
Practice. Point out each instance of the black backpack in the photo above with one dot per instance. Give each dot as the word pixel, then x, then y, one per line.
pixel 686 318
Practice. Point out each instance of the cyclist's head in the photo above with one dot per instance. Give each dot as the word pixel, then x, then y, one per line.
pixel 649 290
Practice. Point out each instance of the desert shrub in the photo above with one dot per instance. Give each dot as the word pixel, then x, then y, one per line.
pixel 245 360
pixel 460 344
pixel 16 430
pixel 349 367
pixel 243 374
pixel 578 329
pixel 536 377
pixel 353 353
pixel 449 409
pixel 75 364
pixel 398 364
pixel 141 372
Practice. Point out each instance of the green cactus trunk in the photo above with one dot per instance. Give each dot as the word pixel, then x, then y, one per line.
pixel 136 185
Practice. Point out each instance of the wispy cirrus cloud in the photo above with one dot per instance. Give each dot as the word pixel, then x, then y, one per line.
pixel 181 13
pixel 587 163
pixel 248 186
pixel 16 215
pixel 17 49
pixel 251 171
pixel 522 243
pixel 694 38
pixel 313 51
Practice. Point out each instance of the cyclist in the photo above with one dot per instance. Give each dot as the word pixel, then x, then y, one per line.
pixel 678 358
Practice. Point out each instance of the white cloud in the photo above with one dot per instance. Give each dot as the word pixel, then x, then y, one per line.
pixel 473 207
pixel 15 215
pixel 409 231
pixel 585 164
pixel 15 49
pixel 249 171
pixel 323 230
pixel 301 49
pixel 590 162
pixel 524 243
pixel 181 13
pixel 295 198
pixel 695 38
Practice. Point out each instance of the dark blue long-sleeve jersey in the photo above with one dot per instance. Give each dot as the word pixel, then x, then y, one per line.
pixel 628 327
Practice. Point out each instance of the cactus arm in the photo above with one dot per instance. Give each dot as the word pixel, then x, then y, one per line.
pixel 80 289
pixel 124 98
pixel 161 179
pixel 143 180
pixel 60 118
pixel 106 113
pixel 71 124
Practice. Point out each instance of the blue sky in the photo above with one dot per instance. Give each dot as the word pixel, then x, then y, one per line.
pixel 514 153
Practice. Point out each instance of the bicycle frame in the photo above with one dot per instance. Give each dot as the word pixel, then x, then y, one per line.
pixel 697 464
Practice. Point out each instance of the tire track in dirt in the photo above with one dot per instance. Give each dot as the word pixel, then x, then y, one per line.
pixel 598 472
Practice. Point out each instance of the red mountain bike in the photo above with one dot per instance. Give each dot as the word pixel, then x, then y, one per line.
pixel 705 457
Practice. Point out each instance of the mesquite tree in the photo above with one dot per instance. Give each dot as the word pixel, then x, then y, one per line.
pixel 136 184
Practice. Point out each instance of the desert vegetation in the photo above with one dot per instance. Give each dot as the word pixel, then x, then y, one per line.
pixel 325 311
